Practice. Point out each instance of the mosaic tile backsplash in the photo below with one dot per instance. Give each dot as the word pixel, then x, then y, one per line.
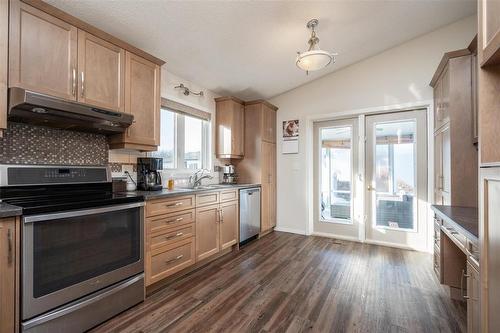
pixel 28 144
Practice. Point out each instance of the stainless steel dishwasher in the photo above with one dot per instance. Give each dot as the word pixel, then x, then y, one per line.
pixel 249 213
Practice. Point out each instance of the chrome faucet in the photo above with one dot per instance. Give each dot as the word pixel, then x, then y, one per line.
pixel 198 176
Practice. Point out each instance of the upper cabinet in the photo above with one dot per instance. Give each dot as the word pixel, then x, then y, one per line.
pixel 456 156
pixel 230 127
pixel 53 53
pixel 42 52
pixel 101 67
pixel 142 100
pixel 268 119
pixel 489 30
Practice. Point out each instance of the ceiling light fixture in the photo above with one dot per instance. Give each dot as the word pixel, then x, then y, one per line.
pixel 314 58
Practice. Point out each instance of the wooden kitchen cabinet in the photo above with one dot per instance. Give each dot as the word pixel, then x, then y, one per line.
pixel 489 29
pixel 455 162
pixel 230 128
pixel 9 274
pixel 142 100
pixel 42 52
pixel 229 224
pixel 473 291
pixel 207 231
pixel 101 71
pixel 259 164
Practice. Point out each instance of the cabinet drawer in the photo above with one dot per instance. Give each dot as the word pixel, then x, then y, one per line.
pixel 172 259
pixel 169 205
pixel 161 223
pixel 437 264
pixel 172 236
pixel 437 237
pixel 204 199
pixel 229 195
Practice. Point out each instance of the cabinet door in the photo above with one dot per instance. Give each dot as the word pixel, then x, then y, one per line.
pixel 473 286
pixel 207 231
pixel 230 129
pixel 446 164
pixel 438 168
pixel 445 96
pixel 229 224
pixel 7 275
pixel 489 23
pixel 101 67
pixel 268 124
pixel 142 100
pixel 42 52
pixel 272 186
pixel 268 186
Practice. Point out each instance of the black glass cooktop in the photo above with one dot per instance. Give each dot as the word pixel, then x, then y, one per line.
pixel 53 198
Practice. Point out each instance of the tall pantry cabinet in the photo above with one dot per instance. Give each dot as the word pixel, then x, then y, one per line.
pixel 455 159
pixel 489 152
pixel 259 163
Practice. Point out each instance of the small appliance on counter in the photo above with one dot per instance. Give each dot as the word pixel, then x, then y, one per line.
pixel 149 173
pixel 229 174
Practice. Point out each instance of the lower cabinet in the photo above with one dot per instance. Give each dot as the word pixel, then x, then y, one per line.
pixel 473 290
pixel 181 231
pixel 207 231
pixel 228 226
pixel 9 265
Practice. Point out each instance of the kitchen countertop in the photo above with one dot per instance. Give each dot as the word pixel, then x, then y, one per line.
pixel 465 218
pixel 7 210
pixel 148 195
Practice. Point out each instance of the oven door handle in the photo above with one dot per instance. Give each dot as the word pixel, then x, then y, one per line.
pixel 76 213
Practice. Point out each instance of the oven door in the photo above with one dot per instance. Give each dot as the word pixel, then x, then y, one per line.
pixel 68 255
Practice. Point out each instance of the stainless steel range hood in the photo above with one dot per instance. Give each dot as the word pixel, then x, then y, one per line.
pixel 39 109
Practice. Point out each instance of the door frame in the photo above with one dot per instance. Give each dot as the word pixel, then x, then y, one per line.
pixel 427 105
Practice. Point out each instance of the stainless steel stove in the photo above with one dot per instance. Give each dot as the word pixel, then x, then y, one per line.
pixel 82 246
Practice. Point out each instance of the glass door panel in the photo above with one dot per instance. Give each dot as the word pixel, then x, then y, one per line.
pixel 335 165
pixel 395 174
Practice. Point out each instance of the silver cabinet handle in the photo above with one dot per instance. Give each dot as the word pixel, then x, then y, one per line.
pixel 73 89
pixel 9 242
pixel 464 296
pixel 180 256
pixel 176 220
pixel 221 216
pixel 179 234
pixel 177 204
pixel 83 84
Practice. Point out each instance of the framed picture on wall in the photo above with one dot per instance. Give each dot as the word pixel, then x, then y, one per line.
pixel 291 129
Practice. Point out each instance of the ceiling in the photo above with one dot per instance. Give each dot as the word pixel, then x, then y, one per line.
pixel 247 48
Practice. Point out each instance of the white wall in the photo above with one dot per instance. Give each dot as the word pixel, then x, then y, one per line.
pixel 398 76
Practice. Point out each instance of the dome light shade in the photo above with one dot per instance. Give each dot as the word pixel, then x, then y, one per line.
pixel 314 58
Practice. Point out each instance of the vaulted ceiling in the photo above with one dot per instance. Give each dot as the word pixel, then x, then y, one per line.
pixel 248 48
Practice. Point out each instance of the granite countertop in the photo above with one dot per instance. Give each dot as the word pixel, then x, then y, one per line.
pixel 465 218
pixel 148 195
pixel 7 210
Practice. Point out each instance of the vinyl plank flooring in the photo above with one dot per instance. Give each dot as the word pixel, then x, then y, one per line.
pixel 292 283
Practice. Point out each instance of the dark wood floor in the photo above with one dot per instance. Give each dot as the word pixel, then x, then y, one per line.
pixel 286 282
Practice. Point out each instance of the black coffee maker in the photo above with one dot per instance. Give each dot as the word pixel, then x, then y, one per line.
pixel 148 173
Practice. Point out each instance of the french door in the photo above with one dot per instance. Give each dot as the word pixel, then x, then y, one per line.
pixel 396 179
pixel 386 205
pixel 336 174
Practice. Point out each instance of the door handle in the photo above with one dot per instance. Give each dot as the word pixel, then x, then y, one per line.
pixel 73 89
pixel 83 84
pixel 9 242
pixel 464 296
pixel 370 188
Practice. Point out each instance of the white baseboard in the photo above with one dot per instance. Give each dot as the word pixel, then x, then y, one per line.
pixel 290 230
pixel 327 235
